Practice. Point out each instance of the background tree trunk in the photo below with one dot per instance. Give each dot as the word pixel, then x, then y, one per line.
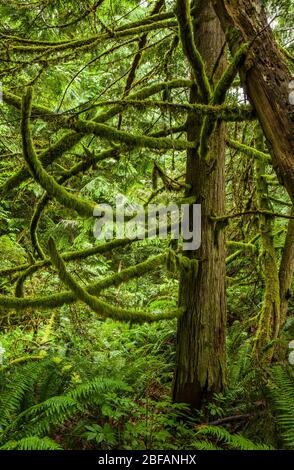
pixel 201 359
pixel 287 270
pixel 270 315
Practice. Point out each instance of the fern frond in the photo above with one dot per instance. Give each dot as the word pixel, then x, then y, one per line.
pixel 233 441
pixel 205 445
pixel 92 392
pixel 32 443
pixel 20 385
pixel 282 392
pixel 40 419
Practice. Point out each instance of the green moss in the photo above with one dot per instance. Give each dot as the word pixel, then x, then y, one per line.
pixel 113 135
pixel 75 170
pixel 83 208
pixel 19 286
pixel 240 252
pixel 37 249
pixel 102 308
pixel 218 97
pixel 269 318
pixel 57 300
pixel 182 11
pixel 178 263
pixel 46 157
pixel 227 78
pixel 85 44
pixel 249 151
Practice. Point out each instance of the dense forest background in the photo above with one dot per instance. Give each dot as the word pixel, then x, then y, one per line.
pixel 130 343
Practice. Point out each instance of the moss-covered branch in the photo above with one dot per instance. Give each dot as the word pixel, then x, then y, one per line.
pixel 70 139
pixel 182 11
pixel 226 80
pixel 67 297
pixel 104 309
pixel 266 213
pixel 270 314
pixel 46 157
pixel 82 207
pixel 218 97
pixel 248 151
pixel 75 170
pixel 223 112
pixel 113 135
pixel 86 44
pixel 240 252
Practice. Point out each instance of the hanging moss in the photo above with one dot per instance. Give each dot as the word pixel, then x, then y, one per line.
pixel 182 11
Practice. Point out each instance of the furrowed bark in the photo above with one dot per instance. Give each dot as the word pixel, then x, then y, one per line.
pixel 201 358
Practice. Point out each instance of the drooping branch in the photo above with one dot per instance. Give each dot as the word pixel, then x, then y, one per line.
pixel 68 297
pixel 46 157
pixel 104 309
pixel 70 139
pixel 82 166
pixel 82 207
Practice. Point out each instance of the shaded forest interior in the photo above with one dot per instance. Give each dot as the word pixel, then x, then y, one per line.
pixel 135 342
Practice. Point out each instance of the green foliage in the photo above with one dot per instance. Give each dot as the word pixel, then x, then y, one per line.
pixel 32 443
pixel 232 441
pixel 282 392
pixel 113 92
